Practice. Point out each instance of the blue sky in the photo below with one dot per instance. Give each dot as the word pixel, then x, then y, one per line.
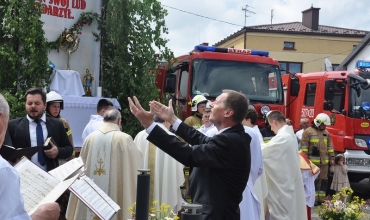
pixel 187 30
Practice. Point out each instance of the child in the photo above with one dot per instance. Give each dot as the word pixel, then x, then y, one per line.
pixel 340 178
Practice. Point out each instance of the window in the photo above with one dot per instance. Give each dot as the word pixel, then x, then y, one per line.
pixel 309 98
pixel 290 67
pixel 289 45
pixel 339 96
pixel 184 84
pixel 333 66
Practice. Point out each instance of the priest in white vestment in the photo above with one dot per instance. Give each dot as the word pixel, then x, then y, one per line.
pixel 167 174
pixel 111 160
pixel 286 198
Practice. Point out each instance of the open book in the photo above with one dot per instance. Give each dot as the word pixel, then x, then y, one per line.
pixel 11 153
pixel 94 198
pixel 39 187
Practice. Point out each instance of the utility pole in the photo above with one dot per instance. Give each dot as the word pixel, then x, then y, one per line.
pixel 245 23
pixel 272 14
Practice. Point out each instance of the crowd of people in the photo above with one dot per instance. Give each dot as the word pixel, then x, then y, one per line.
pixel 238 171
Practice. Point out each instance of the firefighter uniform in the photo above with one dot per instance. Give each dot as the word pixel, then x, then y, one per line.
pixel 318 147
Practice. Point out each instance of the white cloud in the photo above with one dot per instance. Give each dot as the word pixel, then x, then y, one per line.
pixel 187 30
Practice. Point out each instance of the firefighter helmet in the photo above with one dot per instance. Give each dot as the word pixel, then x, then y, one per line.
pixel 196 101
pixel 322 118
pixel 52 97
pixel 208 105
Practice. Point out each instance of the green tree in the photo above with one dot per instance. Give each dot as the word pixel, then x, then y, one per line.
pixel 23 51
pixel 131 31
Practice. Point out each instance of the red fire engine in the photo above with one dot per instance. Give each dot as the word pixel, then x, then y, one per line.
pixel 342 95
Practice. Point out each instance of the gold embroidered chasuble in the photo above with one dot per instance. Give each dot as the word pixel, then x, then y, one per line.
pixel 124 160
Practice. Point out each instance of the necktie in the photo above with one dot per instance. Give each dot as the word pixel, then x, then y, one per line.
pixel 40 141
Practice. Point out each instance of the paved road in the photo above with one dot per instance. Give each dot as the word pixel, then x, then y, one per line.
pixel 361 189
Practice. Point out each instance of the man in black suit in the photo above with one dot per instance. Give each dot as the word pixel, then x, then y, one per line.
pixel 221 163
pixel 23 132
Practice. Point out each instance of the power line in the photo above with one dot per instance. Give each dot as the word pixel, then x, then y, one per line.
pixel 202 16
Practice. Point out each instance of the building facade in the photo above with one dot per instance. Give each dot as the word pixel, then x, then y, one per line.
pixel 299 46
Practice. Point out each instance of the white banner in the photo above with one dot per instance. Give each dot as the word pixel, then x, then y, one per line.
pixel 60 14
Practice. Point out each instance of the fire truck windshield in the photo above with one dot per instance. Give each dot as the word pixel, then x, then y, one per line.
pixel 359 99
pixel 261 83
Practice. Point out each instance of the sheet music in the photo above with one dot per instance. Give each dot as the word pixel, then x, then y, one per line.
pixel 65 170
pixel 94 200
pixel 35 183
pixel 56 192
pixel 114 205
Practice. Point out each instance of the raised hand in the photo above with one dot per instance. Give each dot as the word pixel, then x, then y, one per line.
pixel 164 112
pixel 144 117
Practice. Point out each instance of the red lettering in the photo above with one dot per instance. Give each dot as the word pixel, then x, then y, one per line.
pixel 69 14
pixel 83 4
pixel 50 2
pixel 230 50
pixel 60 14
pixel 65 3
pixel 50 9
pixel 56 2
pixel 55 11
pixel 76 4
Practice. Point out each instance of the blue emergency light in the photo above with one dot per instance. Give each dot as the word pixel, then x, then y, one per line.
pixel 232 50
pixel 361 64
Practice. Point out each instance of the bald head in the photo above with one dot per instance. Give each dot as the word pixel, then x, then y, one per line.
pixel 4 118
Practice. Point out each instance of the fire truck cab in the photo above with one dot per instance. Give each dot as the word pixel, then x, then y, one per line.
pixel 209 70
pixel 345 97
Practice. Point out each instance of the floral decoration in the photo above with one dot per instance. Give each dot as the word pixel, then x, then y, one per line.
pixel 68 35
pixel 339 206
pixel 163 212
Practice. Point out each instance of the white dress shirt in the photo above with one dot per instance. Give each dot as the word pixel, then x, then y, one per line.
pixel 32 126
pixel 95 122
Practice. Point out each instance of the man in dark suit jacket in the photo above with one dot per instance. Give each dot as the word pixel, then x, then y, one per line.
pixel 221 163
pixel 21 132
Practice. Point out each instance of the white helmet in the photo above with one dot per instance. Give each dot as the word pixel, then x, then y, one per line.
pixel 196 101
pixel 322 118
pixel 54 97
pixel 208 105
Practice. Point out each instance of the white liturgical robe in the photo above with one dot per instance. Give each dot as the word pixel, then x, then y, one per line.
pixel 168 173
pixel 286 198
pixel 250 207
pixel 119 178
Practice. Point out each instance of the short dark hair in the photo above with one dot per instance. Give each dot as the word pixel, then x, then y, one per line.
pixel 276 115
pixel 252 115
pixel 103 104
pixel 238 102
pixel 338 157
pixel 35 91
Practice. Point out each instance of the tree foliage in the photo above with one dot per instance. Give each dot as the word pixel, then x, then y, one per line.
pixel 131 32
pixel 23 51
